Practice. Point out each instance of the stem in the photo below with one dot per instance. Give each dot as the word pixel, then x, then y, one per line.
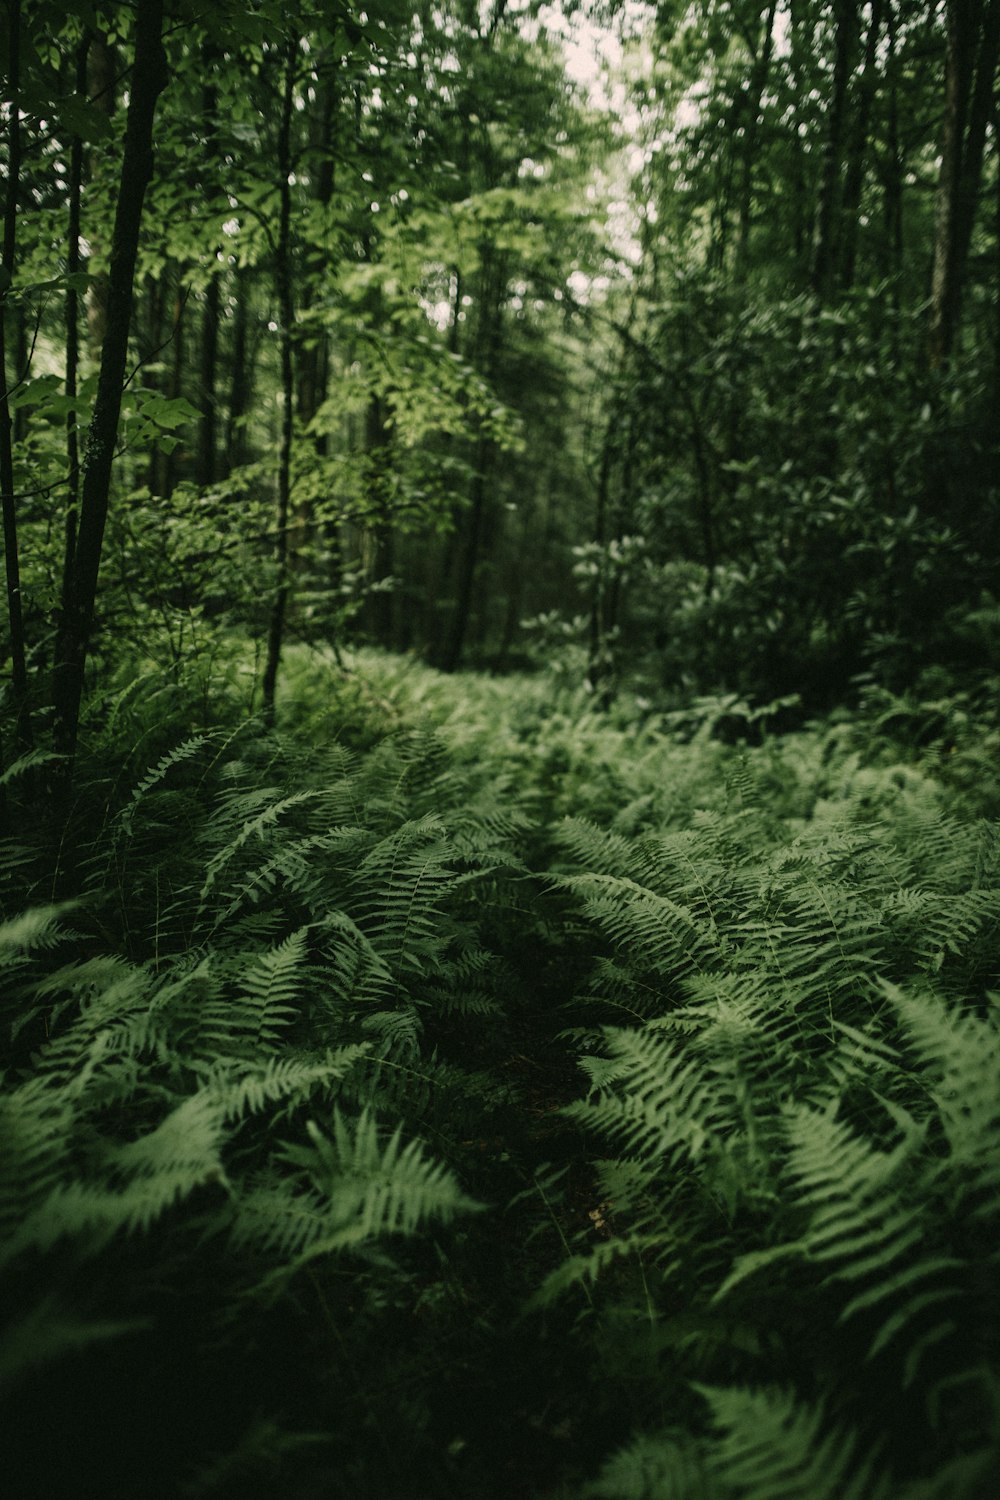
pixel 18 652
pixel 283 269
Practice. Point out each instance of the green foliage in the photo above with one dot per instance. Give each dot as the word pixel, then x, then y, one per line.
pixel 290 1075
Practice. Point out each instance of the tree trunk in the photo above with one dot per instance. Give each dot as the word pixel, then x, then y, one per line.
pixel 205 467
pixel 996 269
pixel 286 313
pixel 239 381
pixel 312 344
pixel 15 612
pixel 893 172
pixel 469 560
pixel 970 71
pixel 758 83
pixel 828 216
pixel 492 281
pixel 172 458
pixel 381 610
pixel 149 78
pixel 207 422
pixel 101 82
pixel 72 312
pixel 854 176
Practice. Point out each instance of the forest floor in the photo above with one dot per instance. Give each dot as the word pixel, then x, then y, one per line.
pixel 410 1100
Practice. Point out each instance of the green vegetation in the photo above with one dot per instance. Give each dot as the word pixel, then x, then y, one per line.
pixel 461 1090
pixel 499 823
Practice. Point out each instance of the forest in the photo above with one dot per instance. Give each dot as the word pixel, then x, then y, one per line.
pixel 499 733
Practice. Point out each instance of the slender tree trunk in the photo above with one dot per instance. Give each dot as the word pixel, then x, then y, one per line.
pixel 312 346
pixel 469 559
pixel 381 611
pixel 492 280
pixel 154 343
pixel 208 422
pixel 518 575
pixel 22 369
pixel 15 612
pixel 894 170
pixel 286 313
pixel 800 206
pixel 597 663
pixel 970 74
pixel 149 78
pixel 828 217
pixel 996 267
pixel 171 460
pixel 758 83
pixel 101 82
pixel 854 176
pixel 72 313
pixel 705 504
pixel 239 380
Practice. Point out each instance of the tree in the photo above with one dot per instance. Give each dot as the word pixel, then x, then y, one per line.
pixel 149 78
pixel 973 43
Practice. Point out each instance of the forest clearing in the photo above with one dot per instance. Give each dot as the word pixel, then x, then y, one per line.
pixel 499 813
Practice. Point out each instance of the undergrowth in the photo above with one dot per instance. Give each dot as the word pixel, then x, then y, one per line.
pixel 462 1091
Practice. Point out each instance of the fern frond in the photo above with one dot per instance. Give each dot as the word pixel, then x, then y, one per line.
pixel 239 1089
pixel 657 933
pixel 658 1103
pixel 595 849
pixel 655 1466
pixel 49 1332
pixel 152 778
pixel 38 928
pixel 959 1055
pixel 773 1446
pixel 253 828
pixel 584 1270
pixel 361 1189
pixel 35 1125
pixel 271 986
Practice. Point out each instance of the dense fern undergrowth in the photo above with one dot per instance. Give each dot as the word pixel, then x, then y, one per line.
pixel 462 1092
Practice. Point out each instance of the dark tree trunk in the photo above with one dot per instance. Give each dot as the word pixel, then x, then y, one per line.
pixel 970 73
pixel 828 214
pixel 15 611
pixel 597 664
pixel 171 460
pixel 286 313
pixel 154 341
pixel 517 578
pixel 149 78
pixel 239 379
pixel 758 83
pixel 312 345
pixel 492 280
pixel 101 82
pixel 468 559
pixel 205 467
pixel 208 422
pixel 22 369
pixel 381 609
pixel 893 171
pixel 996 268
pixel 854 176
pixel 72 312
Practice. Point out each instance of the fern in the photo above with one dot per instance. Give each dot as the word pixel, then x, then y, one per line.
pixel 656 1466
pixel 772 1446
pixel 359 1190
